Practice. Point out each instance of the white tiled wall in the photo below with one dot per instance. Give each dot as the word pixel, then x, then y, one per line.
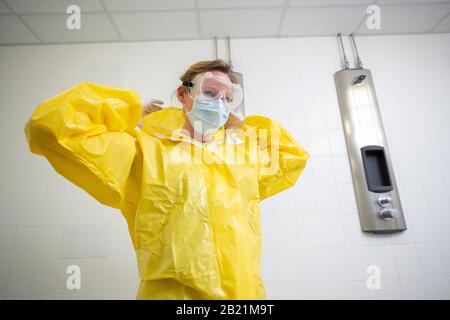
pixel 313 247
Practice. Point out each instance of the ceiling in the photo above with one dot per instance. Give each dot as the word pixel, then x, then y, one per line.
pixel 25 22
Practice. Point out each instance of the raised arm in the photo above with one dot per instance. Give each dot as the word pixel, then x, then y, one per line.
pixel 281 157
pixel 87 133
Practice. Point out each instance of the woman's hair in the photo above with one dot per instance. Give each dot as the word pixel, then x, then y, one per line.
pixel 204 66
pixel 208 65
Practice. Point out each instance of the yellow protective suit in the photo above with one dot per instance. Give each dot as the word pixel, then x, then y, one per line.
pixel 194 225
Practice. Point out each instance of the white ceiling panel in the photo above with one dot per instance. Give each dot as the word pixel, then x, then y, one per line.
pixel 240 23
pixel 444 26
pixel 328 2
pixel 239 3
pixel 321 21
pixel 134 20
pixel 408 19
pixel 52 6
pixel 156 25
pixel 52 28
pixel 133 5
pixel 12 30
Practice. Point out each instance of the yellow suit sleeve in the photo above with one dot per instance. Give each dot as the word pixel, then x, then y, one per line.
pixel 87 133
pixel 281 158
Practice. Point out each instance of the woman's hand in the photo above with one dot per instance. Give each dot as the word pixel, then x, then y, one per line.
pixel 150 106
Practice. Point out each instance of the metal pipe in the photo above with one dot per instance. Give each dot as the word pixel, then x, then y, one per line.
pixel 215 47
pixel 346 64
pixel 240 78
pixel 229 52
pixel 358 60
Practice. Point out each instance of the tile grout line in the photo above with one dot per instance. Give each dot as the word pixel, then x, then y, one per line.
pixel 282 18
pixel 111 20
pixel 23 22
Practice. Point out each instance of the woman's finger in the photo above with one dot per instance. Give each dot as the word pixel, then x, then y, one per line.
pixel 151 105
pixel 156 101
pixel 155 106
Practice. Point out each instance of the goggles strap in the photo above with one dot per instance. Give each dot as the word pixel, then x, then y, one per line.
pixel 188 84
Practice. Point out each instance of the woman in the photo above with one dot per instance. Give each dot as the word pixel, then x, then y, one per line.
pixel 188 186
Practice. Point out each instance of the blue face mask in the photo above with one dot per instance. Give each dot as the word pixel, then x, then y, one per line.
pixel 212 114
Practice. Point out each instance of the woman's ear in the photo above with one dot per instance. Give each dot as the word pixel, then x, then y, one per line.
pixel 180 95
pixel 184 98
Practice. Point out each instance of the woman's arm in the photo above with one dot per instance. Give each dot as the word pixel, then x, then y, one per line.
pixel 281 158
pixel 87 133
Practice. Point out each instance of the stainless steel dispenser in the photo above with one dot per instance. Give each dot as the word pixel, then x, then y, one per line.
pixel 378 201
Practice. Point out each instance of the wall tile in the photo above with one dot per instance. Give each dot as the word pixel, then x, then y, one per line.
pixel 268 267
pixel 336 264
pixel 286 233
pixel 438 289
pixel 340 290
pixel 289 268
pixel 407 261
pixel 318 143
pixel 323 170
pixel 445 251
pixel 7 240
pixel 98 239
pixel 309 233
pixel 359 260
pixel 327 199
pixel 332 231
pixel 313 265
pixel 431 260
pixel 314 291
pixel 38 243
pixel 74 241
pixel 414 289
pixel 291 291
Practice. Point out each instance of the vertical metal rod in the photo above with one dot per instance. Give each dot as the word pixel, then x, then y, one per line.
pixel 346 63
pixel 358 60
pixel 215 47
pixel 229 52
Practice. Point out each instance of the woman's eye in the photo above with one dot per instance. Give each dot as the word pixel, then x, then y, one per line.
pixel 210 93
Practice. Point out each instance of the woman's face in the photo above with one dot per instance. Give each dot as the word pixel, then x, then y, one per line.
pixel 186 100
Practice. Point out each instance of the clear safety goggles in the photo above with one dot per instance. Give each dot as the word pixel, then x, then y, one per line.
pixel 210 87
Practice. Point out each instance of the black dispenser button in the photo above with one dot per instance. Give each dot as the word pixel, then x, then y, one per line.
pixel 376 169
